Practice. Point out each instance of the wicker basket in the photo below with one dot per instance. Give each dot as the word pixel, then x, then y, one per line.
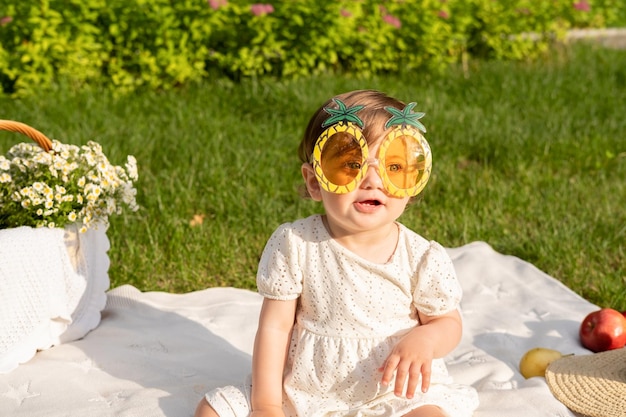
pixel 34 134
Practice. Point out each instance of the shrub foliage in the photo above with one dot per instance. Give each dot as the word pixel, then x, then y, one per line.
pixel 130 44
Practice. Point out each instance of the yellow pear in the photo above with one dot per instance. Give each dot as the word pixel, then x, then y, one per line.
pixel 535 361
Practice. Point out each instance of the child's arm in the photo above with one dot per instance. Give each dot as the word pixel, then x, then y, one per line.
pixel 271 346
pixel 411 358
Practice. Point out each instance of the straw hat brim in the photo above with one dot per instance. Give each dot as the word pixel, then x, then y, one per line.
pixel 593 385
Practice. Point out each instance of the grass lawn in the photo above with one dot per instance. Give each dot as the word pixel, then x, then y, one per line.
pixel 529 157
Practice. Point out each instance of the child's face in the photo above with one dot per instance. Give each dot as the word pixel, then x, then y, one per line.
pixel 367 208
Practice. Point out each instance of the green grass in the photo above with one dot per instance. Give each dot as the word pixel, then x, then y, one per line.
pixel 530 158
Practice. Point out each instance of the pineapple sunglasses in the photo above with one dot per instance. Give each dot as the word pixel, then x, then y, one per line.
pixel 341 155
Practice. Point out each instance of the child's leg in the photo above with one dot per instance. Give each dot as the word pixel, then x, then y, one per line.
pixel 205 410
pixel 426 411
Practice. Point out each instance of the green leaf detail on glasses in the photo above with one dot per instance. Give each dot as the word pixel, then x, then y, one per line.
pixel 343 114
pixel 405 116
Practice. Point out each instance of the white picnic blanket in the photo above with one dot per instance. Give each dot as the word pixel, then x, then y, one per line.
pixel 155 354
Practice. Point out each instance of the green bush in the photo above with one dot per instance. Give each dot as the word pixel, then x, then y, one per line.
pixel 160 44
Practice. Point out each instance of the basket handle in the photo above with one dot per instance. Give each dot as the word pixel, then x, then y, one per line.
pixel 34 134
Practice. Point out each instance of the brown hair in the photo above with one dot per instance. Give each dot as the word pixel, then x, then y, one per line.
pixel 373 115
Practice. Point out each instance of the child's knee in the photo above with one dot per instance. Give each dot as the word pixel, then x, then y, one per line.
pixel 205 410
pixel 426 411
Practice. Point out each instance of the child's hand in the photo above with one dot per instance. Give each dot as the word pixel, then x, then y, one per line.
pixel 410 358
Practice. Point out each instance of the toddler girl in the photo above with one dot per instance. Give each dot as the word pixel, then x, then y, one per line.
pixel 358 310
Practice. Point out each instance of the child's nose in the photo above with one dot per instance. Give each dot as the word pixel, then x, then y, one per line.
pixel 372 177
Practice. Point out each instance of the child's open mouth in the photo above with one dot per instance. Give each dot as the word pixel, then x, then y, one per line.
pixel 371 203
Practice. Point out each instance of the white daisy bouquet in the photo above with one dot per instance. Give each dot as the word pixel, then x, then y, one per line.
pixel 65 185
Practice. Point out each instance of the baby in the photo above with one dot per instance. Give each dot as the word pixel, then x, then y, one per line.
pixel 358 310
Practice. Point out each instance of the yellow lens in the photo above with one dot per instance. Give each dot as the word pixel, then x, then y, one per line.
pixel 404 162
pixel 341 158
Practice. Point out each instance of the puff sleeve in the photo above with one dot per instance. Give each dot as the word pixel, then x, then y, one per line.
pixel 279 275
pixel 437 290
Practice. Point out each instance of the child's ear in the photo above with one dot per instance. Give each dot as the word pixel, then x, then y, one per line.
pixel 312 186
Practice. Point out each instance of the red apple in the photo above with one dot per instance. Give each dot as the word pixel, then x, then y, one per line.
pixel 602 330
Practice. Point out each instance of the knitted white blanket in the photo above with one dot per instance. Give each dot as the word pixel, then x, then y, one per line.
pixel 155 354
pixel 52 288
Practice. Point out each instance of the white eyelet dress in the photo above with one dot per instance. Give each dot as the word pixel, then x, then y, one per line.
pixel 350 314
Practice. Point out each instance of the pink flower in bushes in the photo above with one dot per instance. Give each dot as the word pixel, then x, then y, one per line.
pixel 345 13
pixel 216 4
pixel 387 18
pixel 259 9
pixel 392 20
pixel 582 5
pixel 443 14
pixel 5 20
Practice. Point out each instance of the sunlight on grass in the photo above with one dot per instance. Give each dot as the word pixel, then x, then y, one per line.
pixel 530 158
